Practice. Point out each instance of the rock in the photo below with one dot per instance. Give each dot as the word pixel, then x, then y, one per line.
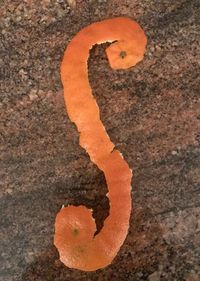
pixel 33 95
pixel 154 276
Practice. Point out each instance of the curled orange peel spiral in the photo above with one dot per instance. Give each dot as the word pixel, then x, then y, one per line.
pixel 75 227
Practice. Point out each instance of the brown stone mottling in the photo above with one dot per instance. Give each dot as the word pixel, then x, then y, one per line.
pixel 166 115
pixel 151 113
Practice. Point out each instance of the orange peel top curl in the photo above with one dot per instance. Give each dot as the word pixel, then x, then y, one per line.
pixel 75 227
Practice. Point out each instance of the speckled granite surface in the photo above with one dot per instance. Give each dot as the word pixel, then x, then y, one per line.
pixel 150 112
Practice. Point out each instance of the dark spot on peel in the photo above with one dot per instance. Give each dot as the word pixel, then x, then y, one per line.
pixel 75 231
pixel 123 54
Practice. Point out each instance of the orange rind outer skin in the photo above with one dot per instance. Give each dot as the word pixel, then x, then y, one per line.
pixel 75 227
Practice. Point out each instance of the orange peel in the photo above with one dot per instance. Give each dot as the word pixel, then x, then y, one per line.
pixel 75 227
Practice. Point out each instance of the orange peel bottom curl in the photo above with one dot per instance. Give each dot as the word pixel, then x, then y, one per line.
pixel 75 227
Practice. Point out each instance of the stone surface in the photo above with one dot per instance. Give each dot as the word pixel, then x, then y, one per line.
pixel 151 113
